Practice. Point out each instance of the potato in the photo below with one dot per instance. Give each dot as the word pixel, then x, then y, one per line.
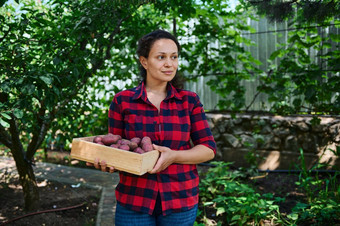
pixel 139 150
pixel 137 140
pixel 146 140
pixel 133 145
pixel 136 144
pixel 110 138
pixel 124 141
pixel 97 139
pixel 124 147
pixel 147 147
pixel 114 145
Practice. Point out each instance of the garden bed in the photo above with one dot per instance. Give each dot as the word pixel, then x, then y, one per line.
pixel 83 203
pixel 234 197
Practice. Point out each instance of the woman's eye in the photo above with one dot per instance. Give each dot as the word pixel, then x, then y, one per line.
pixel 160 57
pixel 174 57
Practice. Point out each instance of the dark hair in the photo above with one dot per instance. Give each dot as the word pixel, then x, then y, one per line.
pixel 144 46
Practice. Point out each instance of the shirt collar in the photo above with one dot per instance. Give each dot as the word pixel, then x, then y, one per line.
pixel 140 92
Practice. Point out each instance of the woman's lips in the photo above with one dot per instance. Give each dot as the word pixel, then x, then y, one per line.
pixel 168 72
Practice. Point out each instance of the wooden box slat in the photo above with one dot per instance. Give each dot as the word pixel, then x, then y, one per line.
pixel 84 149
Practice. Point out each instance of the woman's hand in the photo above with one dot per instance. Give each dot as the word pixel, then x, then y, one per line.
pixel 194 155
pixel 101 165
pixel 166 158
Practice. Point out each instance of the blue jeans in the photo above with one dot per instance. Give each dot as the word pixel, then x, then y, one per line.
pixel 125 217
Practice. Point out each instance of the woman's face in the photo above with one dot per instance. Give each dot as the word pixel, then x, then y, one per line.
pixel 162 63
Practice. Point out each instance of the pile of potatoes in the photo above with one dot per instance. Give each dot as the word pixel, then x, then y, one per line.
pixel 136 144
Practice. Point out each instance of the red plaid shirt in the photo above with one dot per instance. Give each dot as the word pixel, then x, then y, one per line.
pixel 181 119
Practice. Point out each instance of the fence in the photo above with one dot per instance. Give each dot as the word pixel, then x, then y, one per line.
pixel 267 38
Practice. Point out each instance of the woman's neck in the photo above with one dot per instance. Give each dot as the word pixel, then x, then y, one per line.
pixel 156 93
pixel 156 88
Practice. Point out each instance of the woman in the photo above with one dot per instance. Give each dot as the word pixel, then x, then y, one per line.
pixel 172 118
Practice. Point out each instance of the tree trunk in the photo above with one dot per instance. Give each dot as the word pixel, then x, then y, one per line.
pixel 24 166
pixel 27 180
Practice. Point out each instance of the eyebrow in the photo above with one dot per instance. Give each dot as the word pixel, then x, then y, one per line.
pixel 171 53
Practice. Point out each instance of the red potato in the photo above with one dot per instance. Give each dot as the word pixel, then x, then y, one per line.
pixel 137 140
pixel 124 147
pixel 146 140
pixel 97 139
pixel 110 139
pixel 146 144
pixel 139 150
pixel 136 144
pixel 147 147
pixel 117 138
pixel 114 145
pixel 119 142
pixel 133 145
pixel 125 141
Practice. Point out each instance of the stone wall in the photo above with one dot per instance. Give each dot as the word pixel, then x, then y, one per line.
pixel 276 139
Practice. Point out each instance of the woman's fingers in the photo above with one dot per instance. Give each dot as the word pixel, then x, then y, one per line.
pixel 111 169
pixel 89 164
pixel 101 165
pixel 96 163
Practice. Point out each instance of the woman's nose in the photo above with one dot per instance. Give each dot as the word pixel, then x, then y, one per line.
pixel 168 62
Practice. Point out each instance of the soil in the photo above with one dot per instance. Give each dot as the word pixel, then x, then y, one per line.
pixel 53 196
pixel 281 185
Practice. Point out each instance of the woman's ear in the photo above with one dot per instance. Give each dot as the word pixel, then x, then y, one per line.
pixel 143 62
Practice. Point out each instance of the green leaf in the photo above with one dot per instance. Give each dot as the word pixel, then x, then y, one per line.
pixel 338 150
pixel 275 54
pixel 4 124
pixel 335 37
pixel 75 71
pixel 236 218
pixel 294 38
pixel 5 115
pixel 18 113
pixel 220 210
pixel 47 80
pixel 208 203
pixel 293 216
pixel 257 62
pixel 56 60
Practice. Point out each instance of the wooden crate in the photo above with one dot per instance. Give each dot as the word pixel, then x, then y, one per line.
pixel 84 149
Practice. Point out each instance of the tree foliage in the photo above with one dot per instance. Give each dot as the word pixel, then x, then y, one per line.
pixel 50 54
pixel 310 11
pixel 301 81
pixel 217 50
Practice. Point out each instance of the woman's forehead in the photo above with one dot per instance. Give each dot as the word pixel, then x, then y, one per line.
pixel 164 46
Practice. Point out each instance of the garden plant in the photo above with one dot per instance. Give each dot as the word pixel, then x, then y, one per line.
pixel 234 201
